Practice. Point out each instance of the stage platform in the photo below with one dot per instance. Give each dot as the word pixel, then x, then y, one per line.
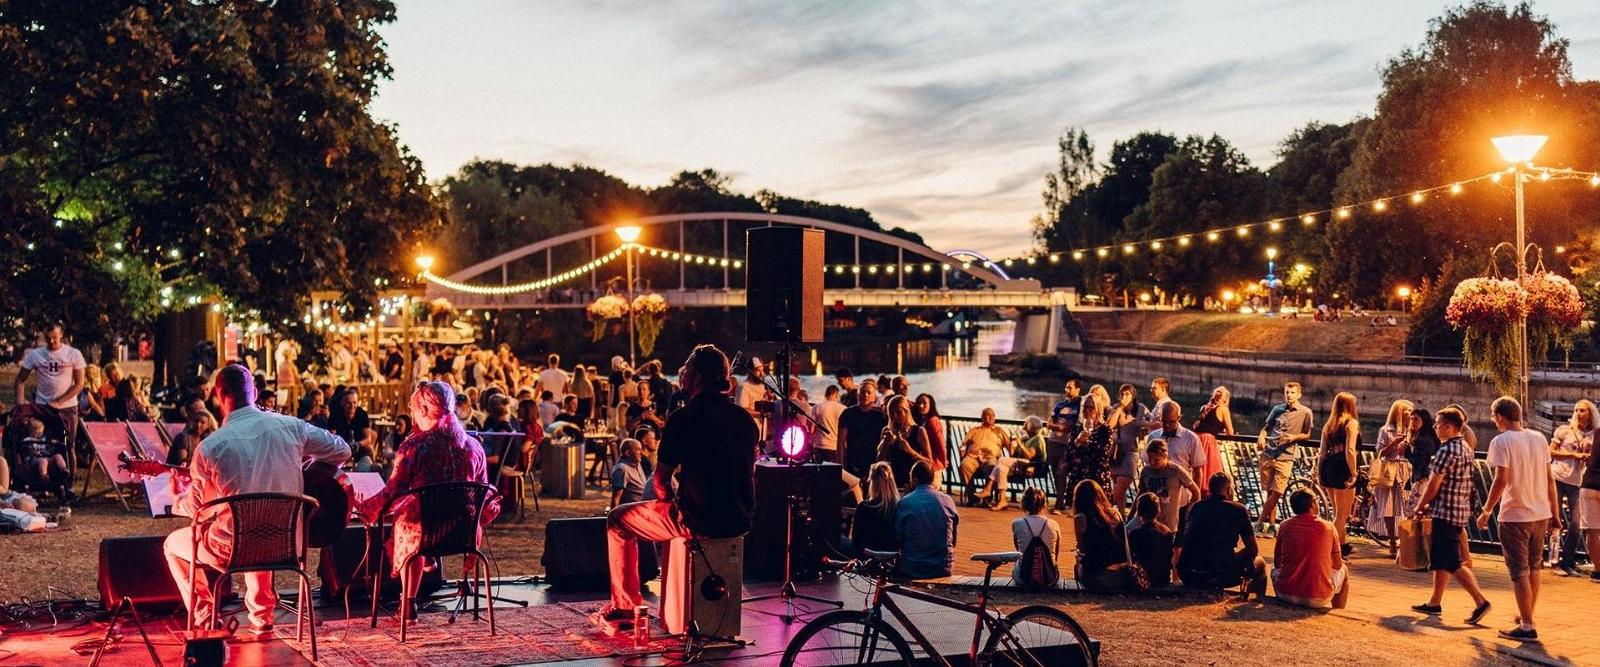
pixel 572 639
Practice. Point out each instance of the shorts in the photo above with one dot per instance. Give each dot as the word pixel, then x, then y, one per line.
pixel 1522 542
pixel 1445 546
pixel 1275 474
pixel 1126 465
pixel 1588 509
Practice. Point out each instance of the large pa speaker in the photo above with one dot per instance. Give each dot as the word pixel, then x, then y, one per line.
pixel 783 284
pixel 575 556
pixel 136 567
pixel 817 487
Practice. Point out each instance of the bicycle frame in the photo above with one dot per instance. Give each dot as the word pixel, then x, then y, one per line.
pixel 881 599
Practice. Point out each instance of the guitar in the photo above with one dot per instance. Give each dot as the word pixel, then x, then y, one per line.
pixel 323 481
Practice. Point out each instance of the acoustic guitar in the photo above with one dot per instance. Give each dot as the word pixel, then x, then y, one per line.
pixel 323 481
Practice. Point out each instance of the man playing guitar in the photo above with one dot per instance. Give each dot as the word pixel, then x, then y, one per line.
pixel 252 452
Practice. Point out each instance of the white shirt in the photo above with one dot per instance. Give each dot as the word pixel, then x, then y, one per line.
pixel 827 413
pixel 1023 529
pixel 253 452
pixel 53 371
pixel 547 412
pixel 1524 455
pixel 1183 449
pixel 553 380
pixel 748 393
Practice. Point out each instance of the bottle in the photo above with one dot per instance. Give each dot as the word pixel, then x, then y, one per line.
pixel 641 626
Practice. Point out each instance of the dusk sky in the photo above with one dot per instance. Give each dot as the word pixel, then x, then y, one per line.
pixel 938 117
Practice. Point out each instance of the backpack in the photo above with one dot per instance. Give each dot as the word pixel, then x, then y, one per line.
pixel 1037 570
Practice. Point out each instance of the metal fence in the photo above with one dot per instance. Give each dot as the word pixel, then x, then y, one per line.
pixel 1240 455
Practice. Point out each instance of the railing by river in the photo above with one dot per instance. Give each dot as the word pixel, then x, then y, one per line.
pixel 1239 459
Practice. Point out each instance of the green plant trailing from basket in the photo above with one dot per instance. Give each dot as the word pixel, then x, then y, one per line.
pixel 1487 310
pixel 1555 312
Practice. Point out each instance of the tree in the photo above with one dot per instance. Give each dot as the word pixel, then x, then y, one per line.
pixel 1075 171
pixel 1310 160
pixel 156 153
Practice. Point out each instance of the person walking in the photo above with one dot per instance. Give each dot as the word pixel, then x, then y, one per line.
pixel 1448 500
pixel 1336 462
pixel 1525 493
pixel 1570 450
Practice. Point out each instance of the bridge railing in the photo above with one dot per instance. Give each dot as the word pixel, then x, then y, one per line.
pixel 1240 456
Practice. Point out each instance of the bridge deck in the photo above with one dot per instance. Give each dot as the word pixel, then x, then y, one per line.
pixel 735 298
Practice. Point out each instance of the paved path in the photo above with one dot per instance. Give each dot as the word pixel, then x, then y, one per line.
pixel 1382 594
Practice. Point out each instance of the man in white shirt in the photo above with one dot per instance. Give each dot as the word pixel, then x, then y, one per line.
pixel 827 414
pixel 548 409
pixel 553 379
pixel 1526 493
pixel 57 369
pixel 752 389
pixel 1183 445
pixel 252 452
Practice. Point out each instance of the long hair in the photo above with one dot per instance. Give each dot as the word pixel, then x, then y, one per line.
pixel 1103 400
pixel 1090 501
pixel 881 487
pixel 1392 422
pixel 438 400
pixel 1094 404
pixel 933 406
pixel 1593 417
pixel 1219 399
pixel 1344 409
pixel 895 404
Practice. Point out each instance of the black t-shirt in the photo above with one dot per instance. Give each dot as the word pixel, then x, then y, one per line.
pixel 712 443
pixel 350 427
pixel 393 365
pixel 1214 530
pixel 862 429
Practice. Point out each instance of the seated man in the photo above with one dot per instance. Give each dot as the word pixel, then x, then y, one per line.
pixel 1210 556
pixel 1307 569
pixel 1027 457
pixel 627 476
pixel 981 449
pixel 925 524
pixel 710 446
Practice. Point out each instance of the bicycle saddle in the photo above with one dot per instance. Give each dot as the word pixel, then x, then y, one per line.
pixel 998 557
pixel 871 554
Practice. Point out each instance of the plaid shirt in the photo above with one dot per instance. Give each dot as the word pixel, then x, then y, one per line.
pixel 1454 502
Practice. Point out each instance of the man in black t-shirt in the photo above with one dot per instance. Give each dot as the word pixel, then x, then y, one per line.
pixel 1211 556
pixel 860 429
pixel 710 445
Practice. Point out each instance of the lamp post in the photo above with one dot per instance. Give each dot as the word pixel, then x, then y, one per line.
pixel 1519 151
pixel 1271 282
pixel 629 234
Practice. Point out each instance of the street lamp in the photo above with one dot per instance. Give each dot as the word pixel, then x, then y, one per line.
pixel 1271 282
pixel 1403 293
pixel 425 262
pixel 1519 151
pixel 629 234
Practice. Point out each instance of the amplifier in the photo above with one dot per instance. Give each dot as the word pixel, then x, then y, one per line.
pixel 575 556
pixel 136 567
pixel 816 522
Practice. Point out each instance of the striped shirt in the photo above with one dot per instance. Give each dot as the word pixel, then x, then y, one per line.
pixel 1454 502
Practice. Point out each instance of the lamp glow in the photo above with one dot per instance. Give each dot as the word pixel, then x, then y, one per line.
pixel 792 441
pixel 1403 292
pixel 425 262
pixel 1519 147
pixel 628 233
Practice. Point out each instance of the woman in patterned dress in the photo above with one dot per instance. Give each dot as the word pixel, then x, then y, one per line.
pixel 1092 452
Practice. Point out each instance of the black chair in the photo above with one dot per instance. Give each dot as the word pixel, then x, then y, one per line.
pixel 268 536
pixel 449 513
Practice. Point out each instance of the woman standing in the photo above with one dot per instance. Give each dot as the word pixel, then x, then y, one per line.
pixel 1092 452
pixel 1336 462
pixel 1391 471
pixel 439 450
pixel 1570 450
pixel 902 443
pixel 584 390
pixel 1215 419
pixel 1125 421
pixel 926 412
pixel 1423 444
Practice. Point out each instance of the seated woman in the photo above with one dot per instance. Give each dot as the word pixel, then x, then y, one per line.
pixel 1025 458
pixel 438 450
pixel 1031 525
pixel 1102 557
pixel 1307 568
pixel 1150 540
pixel 873 525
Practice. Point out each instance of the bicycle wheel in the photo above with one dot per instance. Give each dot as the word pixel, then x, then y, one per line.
pixel 1324 505
pixel 847 637
pixel 1031 635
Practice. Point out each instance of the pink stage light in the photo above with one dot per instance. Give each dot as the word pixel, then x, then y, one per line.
pixel 792 441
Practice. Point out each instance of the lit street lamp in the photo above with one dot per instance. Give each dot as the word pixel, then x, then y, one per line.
pixel 629 234
pixel 1271 282
pixel 1403 293
pixel 1519 151
pixel 425 262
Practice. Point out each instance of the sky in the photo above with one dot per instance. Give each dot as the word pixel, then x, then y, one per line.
pixel 940 117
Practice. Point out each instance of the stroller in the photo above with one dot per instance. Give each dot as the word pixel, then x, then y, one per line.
pixel 26 475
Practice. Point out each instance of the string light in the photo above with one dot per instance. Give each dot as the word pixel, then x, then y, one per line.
pixel 1213 236
pixel 519 288
pixel 1243 230
pixel 1380 206
pixel 1077 254
pixel 1416 197
pixel 1274 225
pixel 1183 241
pixel 1455 188
pixel 1155 245
pixel 1344 213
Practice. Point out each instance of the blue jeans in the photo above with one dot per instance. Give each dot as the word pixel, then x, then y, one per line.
pixel 1571 538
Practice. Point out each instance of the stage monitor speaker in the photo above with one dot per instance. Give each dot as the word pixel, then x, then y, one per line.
pixel 816 521
pixel 575 556
pixel 136 568
pixel 783 284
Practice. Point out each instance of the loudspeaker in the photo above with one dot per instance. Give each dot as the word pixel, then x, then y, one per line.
pixel 816 522
pixel 575 556
pixel 136 568
pixel 783 284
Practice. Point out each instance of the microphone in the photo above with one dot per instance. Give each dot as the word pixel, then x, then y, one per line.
pixel 733 366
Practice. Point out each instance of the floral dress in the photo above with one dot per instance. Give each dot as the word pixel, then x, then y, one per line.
pixel 430 457
pixel 1092 459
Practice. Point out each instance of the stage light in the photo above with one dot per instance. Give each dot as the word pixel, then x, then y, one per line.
pixel 792 442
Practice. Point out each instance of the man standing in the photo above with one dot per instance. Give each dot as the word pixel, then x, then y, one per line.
pixel 847 386
pixel 1526 494
pixel 553 379
pixel 925 525
pixel 752 389
pixel 1063 430
pixel 1183 445
pixel 827 415
pixel 1448 499
pixel 1588 511
pixel 860 428
pixel 1161 388
pixel 1287 425
pixel 710 446
pixel 58 371
pixel 253 452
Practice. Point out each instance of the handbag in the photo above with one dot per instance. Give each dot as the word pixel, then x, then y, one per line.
pixel 1414 538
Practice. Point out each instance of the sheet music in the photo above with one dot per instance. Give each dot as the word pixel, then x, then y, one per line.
pixel 365 484
pixel 158 490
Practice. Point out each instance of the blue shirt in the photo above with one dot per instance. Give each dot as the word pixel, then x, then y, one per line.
pixel 1284 421
pixel 1066 412
pixel 925 524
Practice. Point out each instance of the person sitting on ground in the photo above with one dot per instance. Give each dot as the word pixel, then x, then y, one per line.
pixel 874 521
pixel 1167 482
pixel 1307 567
pixel 1102 556
pixel 1150 540
pixel 1034 524
pixel 628 475
pixel 925 527
pixel 1210 556
pixel 1024 458
pixel 981 449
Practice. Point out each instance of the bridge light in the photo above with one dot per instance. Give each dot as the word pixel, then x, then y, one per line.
pixel 838 269
pixel 1077 254
pixel 855 269
pixel 872 269
pixel 676 256
pixel 946 267
pixel 1032 260
pixel 738 264
pixel 927 268
pixel 628 233
pixel 966 265
pixel 1008 263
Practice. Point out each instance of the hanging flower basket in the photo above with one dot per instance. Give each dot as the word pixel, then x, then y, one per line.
pixel 604 309
pixel 1555 311
pixel 650 314
pixel 1487 310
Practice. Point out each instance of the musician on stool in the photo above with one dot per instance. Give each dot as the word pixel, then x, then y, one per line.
pixel 252 452
pixel 710 446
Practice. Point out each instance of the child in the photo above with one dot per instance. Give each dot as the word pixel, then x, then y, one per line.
pixel 43 463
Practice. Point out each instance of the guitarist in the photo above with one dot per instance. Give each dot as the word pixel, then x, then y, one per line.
pixel 252 452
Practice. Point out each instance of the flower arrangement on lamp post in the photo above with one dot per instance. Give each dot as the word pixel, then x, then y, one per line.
pixel 1487 310
pixel 605 309
pixel 650 313
pixel 1555 312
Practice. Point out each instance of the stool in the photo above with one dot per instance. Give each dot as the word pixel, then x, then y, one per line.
pixel 690 593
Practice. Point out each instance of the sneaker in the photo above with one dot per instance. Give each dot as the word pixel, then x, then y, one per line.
pixel 1521 634
pixel 1478 613
pixel 1430 609
pixel 1566 570
pixel 621 618
pixel 261 630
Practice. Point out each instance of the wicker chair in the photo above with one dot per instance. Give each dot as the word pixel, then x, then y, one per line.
pixel 450 515
pixel 268 536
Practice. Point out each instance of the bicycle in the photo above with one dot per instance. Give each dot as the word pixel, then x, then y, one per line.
pixel 865 637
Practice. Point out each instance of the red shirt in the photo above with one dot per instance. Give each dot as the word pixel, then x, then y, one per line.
pixel 1307 553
